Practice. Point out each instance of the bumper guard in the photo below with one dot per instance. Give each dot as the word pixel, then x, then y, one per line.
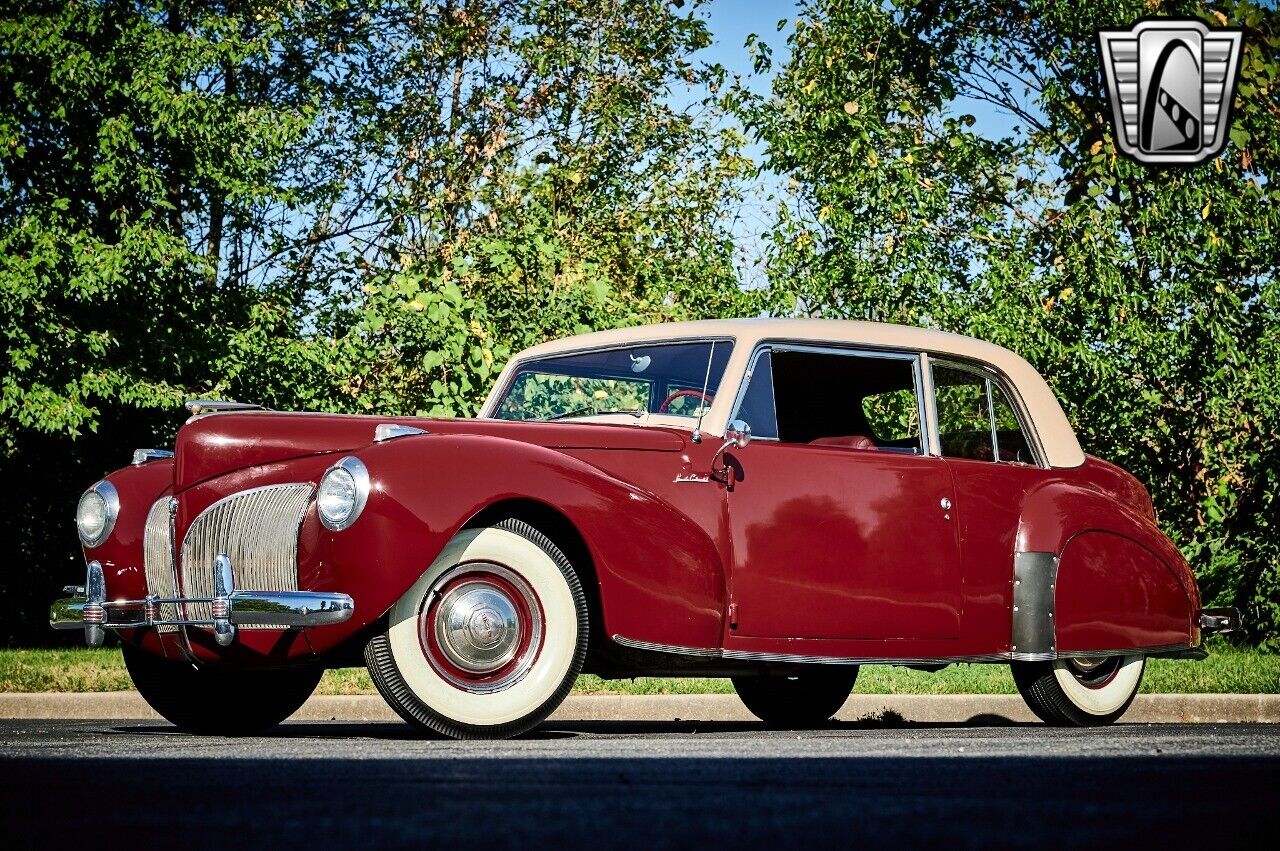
pixel 88 607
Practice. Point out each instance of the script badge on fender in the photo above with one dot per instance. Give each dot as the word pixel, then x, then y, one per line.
pixel 1170 83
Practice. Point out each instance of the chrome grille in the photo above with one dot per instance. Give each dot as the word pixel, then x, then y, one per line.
pixel 157 560
pixel 258 530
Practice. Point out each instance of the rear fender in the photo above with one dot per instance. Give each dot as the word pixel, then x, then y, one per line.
pixel 1115 581
pixel 660 576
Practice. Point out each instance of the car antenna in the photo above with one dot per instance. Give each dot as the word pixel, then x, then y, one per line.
pixel 702 407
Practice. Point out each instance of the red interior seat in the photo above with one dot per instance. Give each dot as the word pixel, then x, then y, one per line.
pixel 849 441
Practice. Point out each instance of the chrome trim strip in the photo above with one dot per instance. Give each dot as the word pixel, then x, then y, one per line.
pixel 142 456
pixel 860 660
pixel 707 653
pixel 751 656
pixel 1033 633
pixel 748 656
pixel 1125 651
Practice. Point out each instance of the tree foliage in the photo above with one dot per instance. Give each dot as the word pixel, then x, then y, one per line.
pixel 1148 296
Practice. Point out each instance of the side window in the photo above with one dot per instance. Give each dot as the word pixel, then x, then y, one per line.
pixel 1011 443
pixel 851 400
pixel 975 419
pixel 757 402
pixel 894 417
pixel 964 417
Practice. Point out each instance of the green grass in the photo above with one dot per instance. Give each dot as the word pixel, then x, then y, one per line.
pixel 1227 670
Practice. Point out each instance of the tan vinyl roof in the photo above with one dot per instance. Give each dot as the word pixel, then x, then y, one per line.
pixel 1056 437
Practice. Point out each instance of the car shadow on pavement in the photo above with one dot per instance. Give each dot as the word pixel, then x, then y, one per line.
pixel 394 730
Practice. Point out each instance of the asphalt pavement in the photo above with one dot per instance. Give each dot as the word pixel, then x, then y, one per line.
pixel 986 783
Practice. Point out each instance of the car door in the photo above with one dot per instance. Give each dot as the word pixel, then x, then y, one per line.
pixel 839 520
pixel 993 465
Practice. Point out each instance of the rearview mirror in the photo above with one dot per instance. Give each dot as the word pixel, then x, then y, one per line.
pixel 738 434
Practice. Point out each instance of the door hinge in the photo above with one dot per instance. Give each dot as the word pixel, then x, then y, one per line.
pixel 733 616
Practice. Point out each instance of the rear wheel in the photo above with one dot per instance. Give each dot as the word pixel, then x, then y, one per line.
pixel 488 642
pixel 1080 691
pixel 806 699
pixel 215 701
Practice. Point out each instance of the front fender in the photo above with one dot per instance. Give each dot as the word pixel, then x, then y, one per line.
pixel 1120 582
pixel 660 576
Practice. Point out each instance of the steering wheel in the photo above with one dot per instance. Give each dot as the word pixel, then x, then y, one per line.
pixel 665 406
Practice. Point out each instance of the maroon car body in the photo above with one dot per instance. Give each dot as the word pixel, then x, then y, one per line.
pixel 698 556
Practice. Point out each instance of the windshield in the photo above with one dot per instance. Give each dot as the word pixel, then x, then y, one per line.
pixel 663 378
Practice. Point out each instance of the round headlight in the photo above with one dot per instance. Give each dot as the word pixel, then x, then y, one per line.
pixel 96 513
pixel 344 487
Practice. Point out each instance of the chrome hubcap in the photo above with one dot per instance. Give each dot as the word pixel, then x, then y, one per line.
pixel 481 627
pixel 1086 664
pixel 478 627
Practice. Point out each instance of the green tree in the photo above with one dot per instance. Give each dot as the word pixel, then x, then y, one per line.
pixel 510 172
pixel 1148 297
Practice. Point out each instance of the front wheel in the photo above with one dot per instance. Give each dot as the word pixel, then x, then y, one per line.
pixel 488 642
pixel 803 700
pixel 1085 691
pixel 218 701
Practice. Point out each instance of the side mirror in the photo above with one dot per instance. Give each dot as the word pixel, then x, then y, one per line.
pixel 738 435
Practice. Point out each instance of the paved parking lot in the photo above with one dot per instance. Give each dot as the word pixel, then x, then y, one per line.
pixel 640 785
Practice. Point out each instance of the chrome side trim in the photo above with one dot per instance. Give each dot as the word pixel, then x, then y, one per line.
pixel 706 653
pixel 390 431
pixel 748 656
pixel 1033 637
pixel 258 530
pixel 1157 650
pixel 796 658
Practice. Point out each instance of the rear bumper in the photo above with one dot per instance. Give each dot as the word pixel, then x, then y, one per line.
pixel 88 608
pixel 1217 621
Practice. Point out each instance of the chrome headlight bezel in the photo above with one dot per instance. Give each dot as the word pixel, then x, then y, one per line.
pixel 110 497
pixel 354 470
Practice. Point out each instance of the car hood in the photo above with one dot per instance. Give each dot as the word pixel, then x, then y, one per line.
pixel 214 444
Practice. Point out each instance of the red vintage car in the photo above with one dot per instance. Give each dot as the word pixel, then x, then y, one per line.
pixel 775 501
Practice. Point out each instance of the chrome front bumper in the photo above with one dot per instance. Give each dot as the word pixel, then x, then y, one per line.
pixel 88 608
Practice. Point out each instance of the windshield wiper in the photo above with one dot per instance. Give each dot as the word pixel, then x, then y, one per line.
pixel 591 411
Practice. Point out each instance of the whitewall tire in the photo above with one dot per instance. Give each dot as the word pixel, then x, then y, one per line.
pixel 489 640
pixel 1080 691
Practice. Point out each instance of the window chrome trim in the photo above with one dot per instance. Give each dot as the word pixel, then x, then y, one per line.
pixel 778 345
pixel 1002 383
